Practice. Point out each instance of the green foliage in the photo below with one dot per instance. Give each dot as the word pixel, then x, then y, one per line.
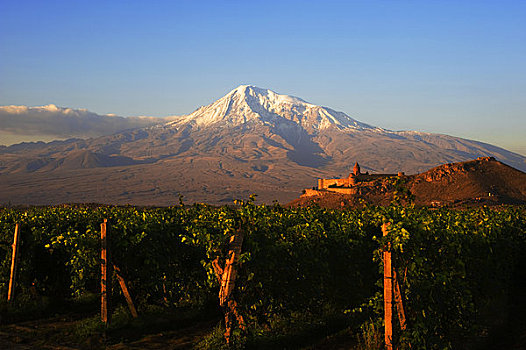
pixel 452 265
pixel 402 195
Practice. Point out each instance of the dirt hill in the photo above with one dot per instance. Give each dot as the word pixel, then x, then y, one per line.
pixel 483 181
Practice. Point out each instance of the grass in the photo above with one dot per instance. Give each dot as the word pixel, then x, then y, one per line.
pixel 26 308
pixel 371 338
pixel 298 330
pixel 77 322
pixel 152 320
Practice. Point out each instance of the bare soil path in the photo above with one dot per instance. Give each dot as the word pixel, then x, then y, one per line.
pixel 56 333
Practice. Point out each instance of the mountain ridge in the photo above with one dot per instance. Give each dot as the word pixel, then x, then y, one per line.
pixel 248 103
pixel 251 140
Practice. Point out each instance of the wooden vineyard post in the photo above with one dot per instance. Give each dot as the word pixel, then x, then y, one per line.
pixel 227 280
pixel 14 265
pixel 165 291
pixel 105 279
pixel 388 292
pixel 125 291
pixel 391 291
pixel 398 301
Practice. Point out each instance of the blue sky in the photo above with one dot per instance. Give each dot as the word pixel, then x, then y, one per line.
pixel 455 67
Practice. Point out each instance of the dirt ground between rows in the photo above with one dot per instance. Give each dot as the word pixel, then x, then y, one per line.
pixel 54 334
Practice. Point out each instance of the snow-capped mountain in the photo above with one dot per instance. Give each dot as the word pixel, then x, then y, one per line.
pixel 252 140
pixel 250 104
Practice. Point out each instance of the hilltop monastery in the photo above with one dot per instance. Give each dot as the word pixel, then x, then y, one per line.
pixel 355 183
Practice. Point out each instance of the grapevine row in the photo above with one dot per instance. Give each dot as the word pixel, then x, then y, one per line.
pixel 453 265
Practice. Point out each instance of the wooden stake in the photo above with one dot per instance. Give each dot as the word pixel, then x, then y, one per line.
pixel 398 301
pixel 227 280
pixel 125 291
pixel 165 291
pixel 105 279
pixel 388 292
pixel 14 265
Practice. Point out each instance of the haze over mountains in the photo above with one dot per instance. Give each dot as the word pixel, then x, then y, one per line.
pixel 57 123
pixel 252 140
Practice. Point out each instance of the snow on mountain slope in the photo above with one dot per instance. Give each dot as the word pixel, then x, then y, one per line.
pixel 316 135
pixel 252 140
pixel 250 104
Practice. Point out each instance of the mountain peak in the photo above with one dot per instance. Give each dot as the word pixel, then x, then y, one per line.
pixel 265 95
pixel 252 104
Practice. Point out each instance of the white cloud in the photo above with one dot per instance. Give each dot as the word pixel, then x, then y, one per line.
pixel 21 123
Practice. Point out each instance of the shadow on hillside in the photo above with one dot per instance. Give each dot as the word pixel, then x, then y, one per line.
pixel 305 152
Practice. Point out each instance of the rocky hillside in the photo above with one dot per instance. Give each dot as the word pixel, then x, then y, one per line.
pixel 483 181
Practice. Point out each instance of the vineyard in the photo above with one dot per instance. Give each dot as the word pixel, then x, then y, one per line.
pixel 298 269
